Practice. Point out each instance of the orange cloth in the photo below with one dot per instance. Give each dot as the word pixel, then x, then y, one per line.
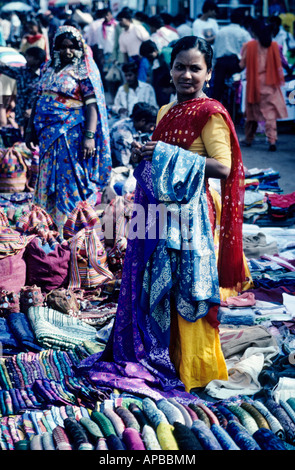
pixel 274 70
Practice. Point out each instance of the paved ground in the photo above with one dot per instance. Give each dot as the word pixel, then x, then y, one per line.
pixel 283 160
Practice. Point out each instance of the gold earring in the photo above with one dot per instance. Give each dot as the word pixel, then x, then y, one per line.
pixel 207 84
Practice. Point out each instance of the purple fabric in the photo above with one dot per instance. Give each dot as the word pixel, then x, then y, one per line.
pixel 47 266
pixel 133 351
pixel 134 360
pixel 275 294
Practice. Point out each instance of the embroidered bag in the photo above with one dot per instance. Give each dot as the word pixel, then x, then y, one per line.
pixel 13 171
pixel 88 266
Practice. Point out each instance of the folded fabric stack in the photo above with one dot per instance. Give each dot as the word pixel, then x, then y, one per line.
pixel 131 423
pixel 262 179
pixel 281 206
pixel 255 205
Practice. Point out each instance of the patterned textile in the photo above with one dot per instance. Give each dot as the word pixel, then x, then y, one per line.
pixel 53 329
pixel 65 177
pixel 132 316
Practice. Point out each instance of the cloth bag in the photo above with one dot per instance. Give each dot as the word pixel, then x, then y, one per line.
pixel 13 171
pixel 47 262
pixel 83 216
pixel 35 220
pixel 88 264
pixel 63 300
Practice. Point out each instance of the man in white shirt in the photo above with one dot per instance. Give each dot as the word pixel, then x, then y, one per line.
pixel 133 91
pixel 227 48
pixel 131 36
pixel 161 35
pixel 106 32
pixel 206 26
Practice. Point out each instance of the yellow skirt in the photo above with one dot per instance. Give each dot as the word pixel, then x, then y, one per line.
pixel 195 351
pixel 195 348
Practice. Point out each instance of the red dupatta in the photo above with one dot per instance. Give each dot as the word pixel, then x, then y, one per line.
pixel 180 126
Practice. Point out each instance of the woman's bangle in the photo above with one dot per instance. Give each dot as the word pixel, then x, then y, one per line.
pixel 89 134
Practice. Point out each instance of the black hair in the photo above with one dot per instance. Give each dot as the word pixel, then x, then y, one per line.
pixel 263 32
pixel 126 13
pixel 131 66
pixel 167 18
pixel 237 16
pixel 34 22
pixel 73 23
pixel 192 42
pixel 143 110
pixel 37 53
pixel 66 35
pixel 147 47
pixel 156 21
pixel 209 5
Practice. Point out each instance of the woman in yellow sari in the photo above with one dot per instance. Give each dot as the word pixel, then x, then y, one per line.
pixel 166 328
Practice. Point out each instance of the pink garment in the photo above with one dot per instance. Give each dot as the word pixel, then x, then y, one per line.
pixel 272 104
pixel 244 300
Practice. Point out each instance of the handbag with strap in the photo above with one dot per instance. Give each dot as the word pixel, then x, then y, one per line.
pixel 88 266
pixel 13 171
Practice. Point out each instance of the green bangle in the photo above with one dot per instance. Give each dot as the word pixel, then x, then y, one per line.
pixel 89 134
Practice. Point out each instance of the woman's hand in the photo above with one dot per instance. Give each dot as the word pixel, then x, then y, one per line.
pixel 147 149
pixel 31 140
pixel 140 151
pixel 88 147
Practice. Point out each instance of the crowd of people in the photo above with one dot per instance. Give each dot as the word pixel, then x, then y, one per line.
pixel 90 88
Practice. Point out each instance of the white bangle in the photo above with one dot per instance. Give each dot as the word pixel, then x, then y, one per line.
pixel 91 100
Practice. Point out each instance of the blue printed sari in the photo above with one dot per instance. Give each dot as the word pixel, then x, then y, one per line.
pixel 65 176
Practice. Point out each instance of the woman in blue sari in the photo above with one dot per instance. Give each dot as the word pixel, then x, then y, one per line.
pixel 69 123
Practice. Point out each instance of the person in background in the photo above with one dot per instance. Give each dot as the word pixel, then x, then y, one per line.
pixel 27 78
pixel 156 70
pixel 106 32
pixel 206 25
pixel 183 27
pixel 140 17
pixel 33 37
pixel 284 39
pixel 5 27
pixel 264 77
pixel 69 123
pixel 142 122
pixel 132 91
pixel 161 35
pixel 227 51
pixel 132 35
